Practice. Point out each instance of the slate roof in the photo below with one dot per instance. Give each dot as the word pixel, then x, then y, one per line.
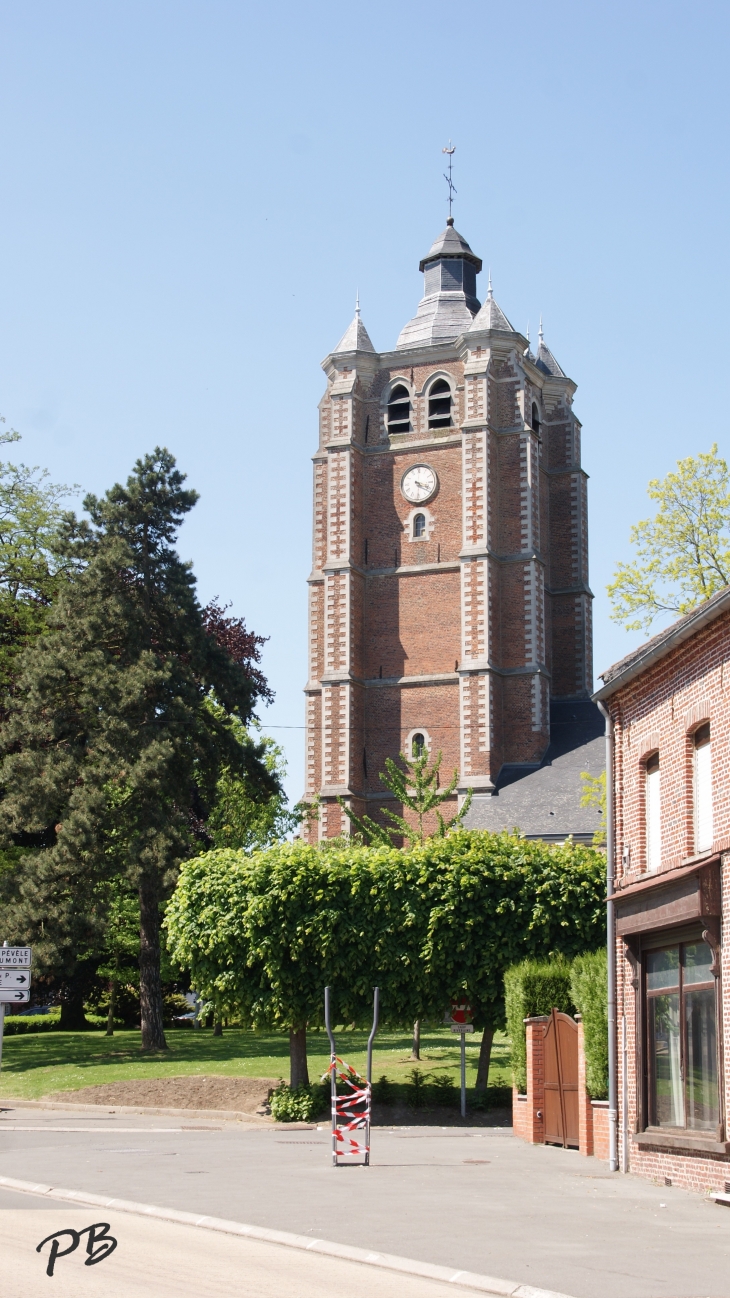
pixel 451 244
pixel 547 362
pixel 490 317
pixel 626 668
pixel 355 338
pixel 544 801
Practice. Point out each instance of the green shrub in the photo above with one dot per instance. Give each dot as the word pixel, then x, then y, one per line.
pixel 443 1089
pixel 531 988
pixel 20 1025
pixel 382 1091
pixel 589 989
pixel 417 1088
pixel 301 1104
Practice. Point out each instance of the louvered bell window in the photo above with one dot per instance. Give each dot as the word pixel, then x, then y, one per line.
pixel 439 405
pixel 399 410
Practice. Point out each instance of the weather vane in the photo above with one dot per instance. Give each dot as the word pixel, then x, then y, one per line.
pixel 451 150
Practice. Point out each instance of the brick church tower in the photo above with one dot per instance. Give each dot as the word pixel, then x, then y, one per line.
pixel 449 599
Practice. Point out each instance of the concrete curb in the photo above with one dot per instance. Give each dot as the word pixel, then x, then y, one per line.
pixel 387 1261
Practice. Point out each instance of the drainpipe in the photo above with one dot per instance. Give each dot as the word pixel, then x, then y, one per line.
pixel 611 947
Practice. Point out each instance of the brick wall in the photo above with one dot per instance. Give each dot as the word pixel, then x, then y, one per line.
pixel 471 600
pixel 658 711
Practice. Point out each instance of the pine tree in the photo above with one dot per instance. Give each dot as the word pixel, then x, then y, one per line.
pixel 416 788
pixel 112 750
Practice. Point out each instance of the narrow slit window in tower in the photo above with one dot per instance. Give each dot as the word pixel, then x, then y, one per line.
pixel 418 745
pixel 419 526
pixel 535 419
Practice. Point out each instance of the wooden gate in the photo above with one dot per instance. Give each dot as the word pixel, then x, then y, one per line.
pixel 561 1080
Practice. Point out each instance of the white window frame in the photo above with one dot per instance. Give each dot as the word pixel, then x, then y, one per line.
pixel 702 793
pixel 653 817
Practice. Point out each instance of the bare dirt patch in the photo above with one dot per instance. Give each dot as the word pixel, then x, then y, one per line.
pixel 239 1094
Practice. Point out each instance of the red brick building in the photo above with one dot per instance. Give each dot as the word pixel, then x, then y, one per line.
pixel 449 598
pixel 669 704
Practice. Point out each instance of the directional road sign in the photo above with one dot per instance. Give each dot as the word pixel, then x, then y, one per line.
pixel 13 956
pixel 15 978
pixel 13 996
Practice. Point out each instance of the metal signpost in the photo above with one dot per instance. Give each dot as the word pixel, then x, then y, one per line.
pixel 355 1105
pixel 460 1016
pixel 15 962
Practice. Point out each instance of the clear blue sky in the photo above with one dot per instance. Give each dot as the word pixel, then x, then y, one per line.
pixel 193 192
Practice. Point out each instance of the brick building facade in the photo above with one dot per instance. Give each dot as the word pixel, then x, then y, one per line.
pixel 449 600
pixel 670 708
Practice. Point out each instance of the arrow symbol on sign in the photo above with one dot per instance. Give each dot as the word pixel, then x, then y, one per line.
pixel 18 996
pixel 22 978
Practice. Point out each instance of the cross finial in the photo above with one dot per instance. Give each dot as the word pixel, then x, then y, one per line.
pixel 451 150
pixel 489 285
pixel 540 337
pixel 357 304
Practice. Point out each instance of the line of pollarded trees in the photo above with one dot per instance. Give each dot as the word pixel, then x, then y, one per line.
pixel 438 922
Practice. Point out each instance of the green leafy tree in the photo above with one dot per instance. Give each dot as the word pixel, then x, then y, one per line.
pixel 594 795
pixel 239 819
pixel 112 754
pixel 416 788
pixel 30 567
pixel 683 553
pixel 262 936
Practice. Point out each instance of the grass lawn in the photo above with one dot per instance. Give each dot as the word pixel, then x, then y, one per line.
pixel 35 1065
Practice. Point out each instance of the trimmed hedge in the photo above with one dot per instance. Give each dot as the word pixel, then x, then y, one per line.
pixel 20 1025
pixel 530 988
pixel 589 989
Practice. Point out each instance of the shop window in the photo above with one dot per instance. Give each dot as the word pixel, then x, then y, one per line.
pixel 419 526
pixel 399 410
pixel 653 810
pixel 439 405
pixel 682 1037
pixel 703 789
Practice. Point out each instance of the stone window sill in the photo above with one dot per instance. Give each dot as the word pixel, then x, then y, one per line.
pixel 685 1142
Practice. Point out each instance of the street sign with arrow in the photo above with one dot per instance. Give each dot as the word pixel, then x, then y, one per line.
pixel 14 977
pixel 15 962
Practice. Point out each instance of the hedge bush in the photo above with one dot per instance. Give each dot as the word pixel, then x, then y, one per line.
pixel 19 1025
pixel 589 990
pixel 299 1103
pixel 530 988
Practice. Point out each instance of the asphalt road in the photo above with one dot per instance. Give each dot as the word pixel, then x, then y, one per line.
pixel 476 1199
pixel 166 1260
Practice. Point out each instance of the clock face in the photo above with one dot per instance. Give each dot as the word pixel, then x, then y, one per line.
pixel 419 484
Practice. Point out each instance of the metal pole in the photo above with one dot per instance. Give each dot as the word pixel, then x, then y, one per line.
pixel 333 1076
pixel 463 1073
pixel 611 947
pixel 624 1097
pixel 2 1022
pixel 371 1038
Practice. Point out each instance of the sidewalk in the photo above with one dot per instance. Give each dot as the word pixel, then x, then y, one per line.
pixel 471 1199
